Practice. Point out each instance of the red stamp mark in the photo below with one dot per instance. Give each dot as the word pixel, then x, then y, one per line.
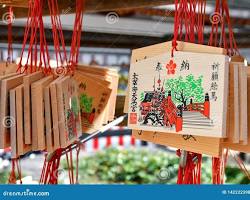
pixel 171 66
pixel 133 118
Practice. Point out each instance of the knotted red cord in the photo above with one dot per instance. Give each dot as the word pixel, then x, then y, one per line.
pixel 76 37
pixel 50 170
pixel 190 173
pixel 44 169
pixel 15 166
pixel 69 159
pixel 58 38
pixel 188 22
pixel 176 27
pixel 218 168
pixel 78 149
pixel 34 36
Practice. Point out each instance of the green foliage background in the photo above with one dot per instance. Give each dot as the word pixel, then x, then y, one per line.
pixel 133 166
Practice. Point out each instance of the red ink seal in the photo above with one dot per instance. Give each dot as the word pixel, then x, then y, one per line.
pixel 133 118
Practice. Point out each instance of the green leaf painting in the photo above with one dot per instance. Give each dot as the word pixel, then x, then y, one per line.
pixel 185 88
pixel 86 103
pixel 142 96
pixel 74 106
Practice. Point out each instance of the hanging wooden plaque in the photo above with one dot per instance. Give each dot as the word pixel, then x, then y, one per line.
pixel 93 98
pixel 6 85
pixel 28 80
pixel 186 94
pixel 48 121
pixel 178 141
pixel 55 115
pixel 242 146
pixel 68 110
pixel 18 146
pixel 38 124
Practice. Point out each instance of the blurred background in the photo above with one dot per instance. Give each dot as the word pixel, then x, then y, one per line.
pixel 108 39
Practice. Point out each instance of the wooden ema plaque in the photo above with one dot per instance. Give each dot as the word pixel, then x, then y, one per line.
pixel 27 81
pixel 54 113
pixel 207 145
pixel 233 105
pixel 110 75
pixel 105 82
pixel 101 77
pixel 38 120
pixel 186 94
pixel 18 146
pixel 93 98
pixel 6 85
pixel 242 146
pixel 68 111
pixel 243 85
pixel 48 121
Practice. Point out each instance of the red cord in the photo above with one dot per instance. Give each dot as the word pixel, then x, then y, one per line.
pixel 191 172
pixel 59 43
pixel 76 37
pixel 227 41
pixel 188 22
pixel 78 149
pixel 50 170
pixel 34 35
pixel 15 166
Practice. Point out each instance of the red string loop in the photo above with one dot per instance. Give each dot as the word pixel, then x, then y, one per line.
pixel 190 170
pixel 76 37
pixel 188 22
pixel 50 169
pixel 34 36
pixel 15 173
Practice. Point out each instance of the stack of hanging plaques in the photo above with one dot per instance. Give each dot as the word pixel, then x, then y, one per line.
pixel 55 113
pixel 27 112
pixel 44 113
pixel 240 140
pixel 193 101
pixel 97 95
